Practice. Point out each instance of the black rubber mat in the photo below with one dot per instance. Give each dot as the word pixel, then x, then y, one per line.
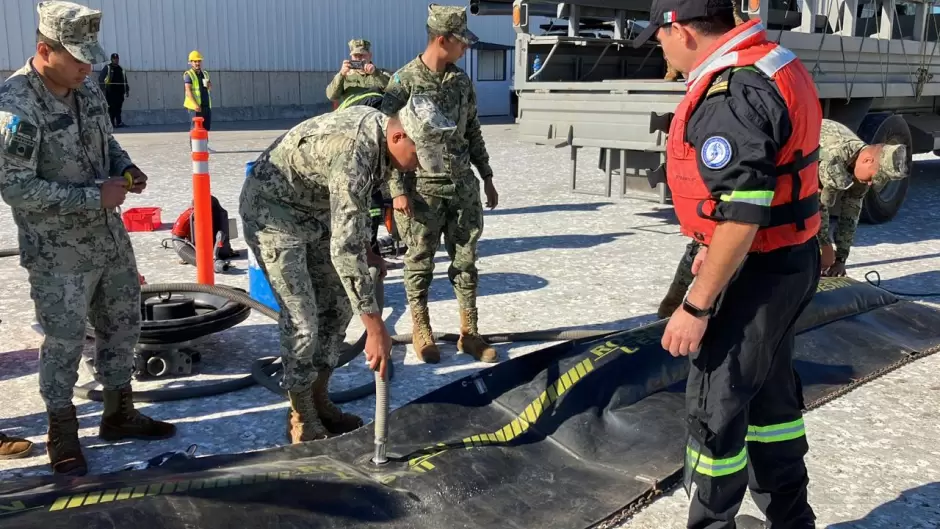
pixel 562 437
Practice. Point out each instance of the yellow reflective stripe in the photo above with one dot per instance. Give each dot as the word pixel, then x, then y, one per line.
pixel 357 98
pixel 375 212
pixel 776 433
pixel 716 467
pixel 759 198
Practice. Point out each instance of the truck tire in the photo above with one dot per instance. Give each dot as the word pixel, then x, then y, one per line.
pixel 883 203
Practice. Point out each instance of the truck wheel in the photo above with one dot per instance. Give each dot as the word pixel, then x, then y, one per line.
pixel 882 203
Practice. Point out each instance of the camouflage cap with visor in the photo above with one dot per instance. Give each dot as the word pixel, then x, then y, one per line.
pixel 892 164
pixel 73 26
pixel 428 127
pixel 453 20
pixel 359 46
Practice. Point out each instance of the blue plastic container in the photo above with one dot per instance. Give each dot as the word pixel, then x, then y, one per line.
pixel 258 287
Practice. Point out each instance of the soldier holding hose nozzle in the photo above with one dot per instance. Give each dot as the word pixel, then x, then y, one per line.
pixel 305 211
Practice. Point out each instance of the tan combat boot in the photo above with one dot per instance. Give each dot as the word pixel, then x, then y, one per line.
pixel 62 445
pixel 331 416
pixel 303 423
pixel 421 336
pixel 120 420
pixel 470 341
pixel 14 447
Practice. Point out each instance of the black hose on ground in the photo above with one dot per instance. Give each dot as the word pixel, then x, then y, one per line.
pixel 9 252
pixel 876 282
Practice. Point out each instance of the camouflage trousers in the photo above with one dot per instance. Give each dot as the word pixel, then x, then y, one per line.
pixel 109 299
pixel 314 308
pixel 460 220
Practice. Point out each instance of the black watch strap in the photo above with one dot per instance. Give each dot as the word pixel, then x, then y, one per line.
pixel 695 311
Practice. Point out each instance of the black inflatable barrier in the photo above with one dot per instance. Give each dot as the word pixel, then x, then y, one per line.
pixel 525 443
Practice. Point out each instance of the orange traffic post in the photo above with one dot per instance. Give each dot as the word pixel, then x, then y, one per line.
pixel 202 203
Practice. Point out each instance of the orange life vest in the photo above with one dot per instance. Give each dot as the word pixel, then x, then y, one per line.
pixel 795 205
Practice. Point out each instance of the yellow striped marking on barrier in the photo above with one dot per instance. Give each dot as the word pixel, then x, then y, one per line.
pixel 531 413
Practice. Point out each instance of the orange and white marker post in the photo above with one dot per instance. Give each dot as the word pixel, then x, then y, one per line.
pixel 202 203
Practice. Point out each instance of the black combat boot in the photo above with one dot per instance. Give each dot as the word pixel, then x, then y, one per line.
pixel 62 445
pixel 121 421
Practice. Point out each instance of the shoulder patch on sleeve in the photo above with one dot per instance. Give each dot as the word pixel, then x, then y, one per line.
pixel 18 137
pixel 716 152
pixel 720 87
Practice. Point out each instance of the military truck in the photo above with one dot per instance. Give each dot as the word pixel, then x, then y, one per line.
pixel 580 84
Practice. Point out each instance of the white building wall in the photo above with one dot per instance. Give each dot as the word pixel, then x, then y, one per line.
pixel 247 35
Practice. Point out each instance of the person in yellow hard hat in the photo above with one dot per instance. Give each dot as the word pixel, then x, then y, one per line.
pixel 197 85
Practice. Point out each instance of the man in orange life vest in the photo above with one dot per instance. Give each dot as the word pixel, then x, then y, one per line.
pixel 741 166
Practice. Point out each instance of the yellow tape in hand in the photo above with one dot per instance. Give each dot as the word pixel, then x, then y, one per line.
pixel 129 178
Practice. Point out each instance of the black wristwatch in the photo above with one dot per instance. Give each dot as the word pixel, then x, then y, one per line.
pixel 695 311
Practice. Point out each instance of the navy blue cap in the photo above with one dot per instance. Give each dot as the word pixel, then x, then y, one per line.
pixel 665 12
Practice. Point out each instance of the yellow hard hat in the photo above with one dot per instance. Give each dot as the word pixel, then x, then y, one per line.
pixel 195 56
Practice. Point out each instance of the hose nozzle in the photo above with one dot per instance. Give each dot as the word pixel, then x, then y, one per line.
pixel 381 413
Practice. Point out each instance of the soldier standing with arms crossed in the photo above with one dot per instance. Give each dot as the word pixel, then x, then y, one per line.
pixel 428 204
pixel 740 163
pixel 56 156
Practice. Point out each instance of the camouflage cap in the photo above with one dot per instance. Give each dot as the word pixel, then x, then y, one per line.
pixel 73 26
pixel 359 46
pixel 892 165
pixel 451 19
pixel 428 127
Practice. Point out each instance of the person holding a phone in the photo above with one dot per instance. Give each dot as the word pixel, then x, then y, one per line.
pixel 358 77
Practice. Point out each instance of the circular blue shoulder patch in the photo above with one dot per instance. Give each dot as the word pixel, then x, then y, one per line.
pixel 716 152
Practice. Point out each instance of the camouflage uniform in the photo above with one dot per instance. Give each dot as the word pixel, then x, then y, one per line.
pixel 78 255
pixel 672 74
pixel 838 147
pixel 447 202
pixel 305 211
pixel 357 82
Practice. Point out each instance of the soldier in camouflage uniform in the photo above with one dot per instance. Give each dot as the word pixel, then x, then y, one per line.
pixel 350 83
pixel 430 203
pixel 672 74
pixel 847 169
pixel 305 211
pixel 56 156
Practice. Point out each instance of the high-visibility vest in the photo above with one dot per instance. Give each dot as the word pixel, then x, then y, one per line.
pixel 356 98
pixel 794 202
pixel 196 102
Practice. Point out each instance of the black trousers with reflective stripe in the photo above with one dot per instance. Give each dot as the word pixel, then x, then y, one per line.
pixel 744 398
